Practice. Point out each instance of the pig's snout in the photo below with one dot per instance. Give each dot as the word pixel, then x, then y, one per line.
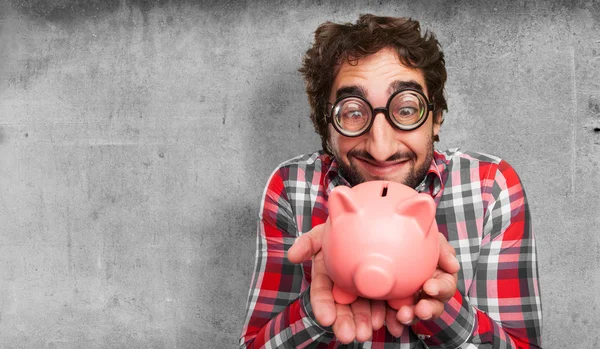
pixel 374 277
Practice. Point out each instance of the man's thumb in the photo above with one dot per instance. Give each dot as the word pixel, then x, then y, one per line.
pixel 307 245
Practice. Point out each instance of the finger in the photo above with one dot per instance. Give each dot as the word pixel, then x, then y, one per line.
pixel 447 258
pixel 307 245
pixel 344 327
pixel 361 311
pixel 395 328
pixel 442 287
pixel 321 295
pixel 406 315
pixel 429 309
pixel 377 314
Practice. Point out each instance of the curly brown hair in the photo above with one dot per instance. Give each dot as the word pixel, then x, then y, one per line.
pixel 336 42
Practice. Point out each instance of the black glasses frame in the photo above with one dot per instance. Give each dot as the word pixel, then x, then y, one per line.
pixel 374 111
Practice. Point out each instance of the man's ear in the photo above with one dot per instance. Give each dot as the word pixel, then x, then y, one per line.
pixel 438 119
pixel 436 128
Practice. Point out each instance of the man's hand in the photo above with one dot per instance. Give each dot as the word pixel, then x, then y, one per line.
pixel 349 322
pixel 436 291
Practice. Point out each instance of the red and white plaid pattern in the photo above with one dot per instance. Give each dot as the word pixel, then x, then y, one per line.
pixel 481 209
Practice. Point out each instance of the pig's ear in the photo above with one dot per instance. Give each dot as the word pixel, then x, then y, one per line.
pixel 420 208
pixel 341 202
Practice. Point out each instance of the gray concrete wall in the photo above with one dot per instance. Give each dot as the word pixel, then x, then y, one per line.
pixel 136 138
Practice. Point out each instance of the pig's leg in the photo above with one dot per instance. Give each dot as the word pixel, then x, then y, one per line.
pixel 342 297
pixel 399 302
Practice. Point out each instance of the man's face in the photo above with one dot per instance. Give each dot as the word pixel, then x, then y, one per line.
pixel 384 152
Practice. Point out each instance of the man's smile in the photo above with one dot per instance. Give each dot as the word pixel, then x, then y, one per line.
pixel 379 168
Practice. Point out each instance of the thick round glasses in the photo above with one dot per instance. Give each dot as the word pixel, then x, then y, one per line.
pixel 353 116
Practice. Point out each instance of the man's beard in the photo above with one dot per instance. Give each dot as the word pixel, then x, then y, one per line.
pixel 413 179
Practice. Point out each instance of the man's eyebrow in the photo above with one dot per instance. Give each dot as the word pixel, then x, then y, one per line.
pixel 353 90
pixel 400 84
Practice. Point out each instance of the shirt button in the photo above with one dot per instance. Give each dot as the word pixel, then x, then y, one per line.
pixel 423 336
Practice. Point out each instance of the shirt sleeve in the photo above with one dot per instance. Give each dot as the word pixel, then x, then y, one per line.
pixel 502 308
pixel 278 313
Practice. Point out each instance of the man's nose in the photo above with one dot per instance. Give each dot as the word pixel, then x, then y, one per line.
pixel 381 142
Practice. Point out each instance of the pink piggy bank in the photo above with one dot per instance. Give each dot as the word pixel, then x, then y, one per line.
pixel 380 242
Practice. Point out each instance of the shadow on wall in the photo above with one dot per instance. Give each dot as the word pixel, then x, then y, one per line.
pixel 279 120
pixel 278 111
pixel 266 140
pixel 225 276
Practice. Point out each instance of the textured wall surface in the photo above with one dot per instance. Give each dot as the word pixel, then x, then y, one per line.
pixel 136 137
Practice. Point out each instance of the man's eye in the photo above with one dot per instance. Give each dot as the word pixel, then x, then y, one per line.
pixel 406 111
pixel 353 114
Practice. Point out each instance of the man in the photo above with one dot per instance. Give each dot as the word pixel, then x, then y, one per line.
pixel 376 94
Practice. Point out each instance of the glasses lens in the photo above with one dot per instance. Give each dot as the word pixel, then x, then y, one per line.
pixel 352 115
pixel 407 108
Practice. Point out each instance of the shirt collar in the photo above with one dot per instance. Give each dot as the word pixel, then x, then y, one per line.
pixel 333 177
pixel 433 183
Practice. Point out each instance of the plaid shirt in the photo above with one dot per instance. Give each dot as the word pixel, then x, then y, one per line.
pixel 481 209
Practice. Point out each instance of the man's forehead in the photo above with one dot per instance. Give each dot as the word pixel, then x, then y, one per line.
pixel 382 69
pixel 361 90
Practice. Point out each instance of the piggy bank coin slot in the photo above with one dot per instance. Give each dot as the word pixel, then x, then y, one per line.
pixel 384 192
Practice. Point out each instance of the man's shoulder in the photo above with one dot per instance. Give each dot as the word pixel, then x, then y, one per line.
pixel 488 167
pixel 310 162
pixel 457 156
pixel 301 170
